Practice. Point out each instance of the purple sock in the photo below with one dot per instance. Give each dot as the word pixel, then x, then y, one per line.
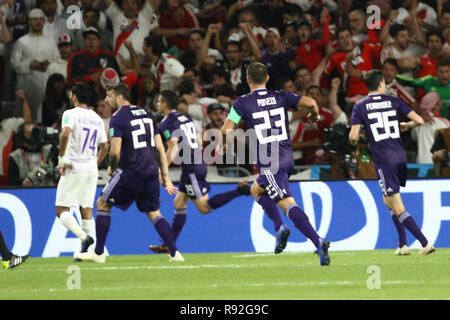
pixel 222 199
pixel 301 222
pixel 102 223
pixel 178 222
pixel 270 208
pixel 411 225
pixel 400 230
pixel 164 231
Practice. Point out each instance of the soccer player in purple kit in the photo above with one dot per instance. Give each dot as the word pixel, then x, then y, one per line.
pixel 136 152
pixel 180 132
pixel 265 112
pixel 379 114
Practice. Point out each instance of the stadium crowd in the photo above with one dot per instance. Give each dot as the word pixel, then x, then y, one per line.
pixel 201 49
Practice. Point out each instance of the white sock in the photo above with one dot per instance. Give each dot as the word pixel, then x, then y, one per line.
pixel 87 225
pixel 71 224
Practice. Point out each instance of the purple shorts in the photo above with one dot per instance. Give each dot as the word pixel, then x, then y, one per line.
pixel 276 185
pixel 194 183
pixel 126 187
pixel 391 177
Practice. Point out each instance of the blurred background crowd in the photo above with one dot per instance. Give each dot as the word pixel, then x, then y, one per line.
pixel 200 49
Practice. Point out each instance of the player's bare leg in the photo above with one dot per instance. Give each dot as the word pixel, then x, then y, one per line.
pixel 270 208
pixel 164 231
pixel 396 204
pixel 402 249
pixel 206 205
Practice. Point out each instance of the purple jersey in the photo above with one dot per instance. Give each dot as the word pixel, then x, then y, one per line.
pixel 265 111
pixel 379 114
pixel 137 129
pixel 180 126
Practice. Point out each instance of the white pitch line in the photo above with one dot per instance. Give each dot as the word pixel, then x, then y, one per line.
pixel 228 285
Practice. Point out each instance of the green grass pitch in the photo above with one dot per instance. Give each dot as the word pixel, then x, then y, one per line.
pixel 235 276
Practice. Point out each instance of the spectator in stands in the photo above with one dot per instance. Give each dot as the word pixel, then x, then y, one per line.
pixel 91 18
pixel 105 112
pixel 87 65
pixel 65 51
pixel 29 164
pixel 30 58
pixel 303 79
pixel 55 101
pixel 358 25
pixel 424 135
pixel 435 41
pixel 219 77
pixel 100 21
pixel 131 24
pixel 168 69
pixel 235 67
pixel 393 88
pixel 215 116
pixel 250 50
pixel 286 83
pixel 425 13
pixel 352 63
pixel 339 116
pixel 290 37
pixel 225 95
pixel 54 25
pixel 440 84
pixel 175 23
pixel 403 50
pixel 310 52
pixel 276 57
pixel 441 153
pixel 247 16
pixel 205 56
pixel 8 127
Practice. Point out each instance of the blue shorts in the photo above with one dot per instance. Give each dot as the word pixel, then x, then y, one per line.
pixel 194 183
pixel 276 185
pixel 391 177
pixel 124 188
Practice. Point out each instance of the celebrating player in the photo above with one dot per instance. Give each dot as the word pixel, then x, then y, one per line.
pixel 82 132
pixel 379 113
pixel 136 150
pixel 181 134
pixel 265 112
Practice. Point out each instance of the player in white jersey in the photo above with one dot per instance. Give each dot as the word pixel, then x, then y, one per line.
pixel 81 135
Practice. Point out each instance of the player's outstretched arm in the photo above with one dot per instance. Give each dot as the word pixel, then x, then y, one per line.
pixel 114 154
pixel 311 105
pixel 416 120
pixel 172 150
pixel 354 134
pixel 163 166
pixel 102 153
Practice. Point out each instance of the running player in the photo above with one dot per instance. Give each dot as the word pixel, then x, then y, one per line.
pixel 82 132
pixel 180 132
pixel 379 114
pixel 136 150
pixel 265 113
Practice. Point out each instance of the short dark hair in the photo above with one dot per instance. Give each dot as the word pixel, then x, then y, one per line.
pixel 88 10
pixel 186 87
pixel 443 63
pixel 233 43
pixel 83 92
pixel 257 72
pixel 156 43
pixel 342 29
pixel 314 86
pixel 225 90
pixel 221 72
pixel 121 89
pixel 373 79
pixel 396 29
pixel 435 33
pixel 392 62
pixel 171 98
pixel 281 81
pixel 197 31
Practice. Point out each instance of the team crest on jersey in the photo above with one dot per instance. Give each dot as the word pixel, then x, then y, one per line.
pixel 308 47
pixel 103 62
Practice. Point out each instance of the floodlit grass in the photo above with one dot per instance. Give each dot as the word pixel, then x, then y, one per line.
pixel 234 276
